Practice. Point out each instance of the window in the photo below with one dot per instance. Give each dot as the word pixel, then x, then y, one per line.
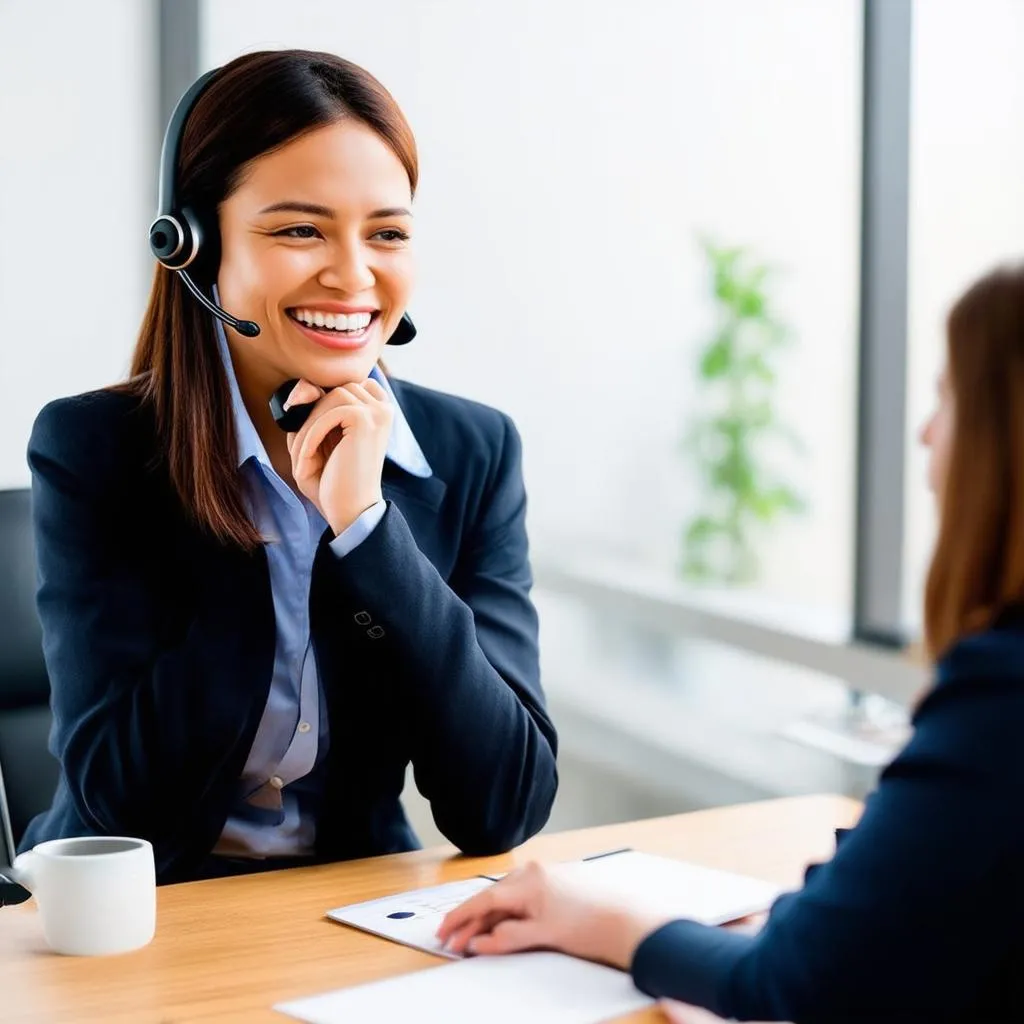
pixel 570 167
pixel 966 204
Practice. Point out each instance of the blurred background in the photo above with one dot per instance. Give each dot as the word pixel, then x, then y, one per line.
pixel 700 250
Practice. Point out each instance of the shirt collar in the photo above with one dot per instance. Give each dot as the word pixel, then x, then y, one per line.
pixel 403 448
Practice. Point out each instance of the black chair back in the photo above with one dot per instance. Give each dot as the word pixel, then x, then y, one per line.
pixel 28 773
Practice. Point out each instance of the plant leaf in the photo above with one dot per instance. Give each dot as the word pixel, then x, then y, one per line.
pixel 717 359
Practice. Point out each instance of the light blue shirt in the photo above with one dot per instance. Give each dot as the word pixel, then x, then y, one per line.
pixel 272 815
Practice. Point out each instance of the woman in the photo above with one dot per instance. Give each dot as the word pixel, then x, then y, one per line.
pixel 917 916
pixel 250 633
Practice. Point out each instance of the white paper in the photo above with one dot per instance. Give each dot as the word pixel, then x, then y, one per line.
pixel 427 907
pixel 674 888
pixel 538 988
pixel 642 881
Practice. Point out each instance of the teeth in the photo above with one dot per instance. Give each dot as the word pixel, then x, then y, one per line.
pixel 333 321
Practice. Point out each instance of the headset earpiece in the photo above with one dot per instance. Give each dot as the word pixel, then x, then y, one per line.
pixel 175 238
pixel 404 332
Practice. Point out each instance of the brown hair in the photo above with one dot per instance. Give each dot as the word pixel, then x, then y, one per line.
pixel 255 104
pixel 977 570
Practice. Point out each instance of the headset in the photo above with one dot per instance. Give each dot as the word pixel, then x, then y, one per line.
pixel 180 234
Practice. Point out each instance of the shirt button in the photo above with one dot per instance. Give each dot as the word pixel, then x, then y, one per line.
pixel 304 726
pixel 277 782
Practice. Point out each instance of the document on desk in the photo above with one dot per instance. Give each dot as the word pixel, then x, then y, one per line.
pixel 413 917
pixel 675 888
pixel 541 988
pixel 640 880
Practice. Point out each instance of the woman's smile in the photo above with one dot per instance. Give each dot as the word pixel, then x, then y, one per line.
pixel 335 327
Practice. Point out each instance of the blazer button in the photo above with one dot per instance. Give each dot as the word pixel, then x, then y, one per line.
pixel 362 618
pixel 375 632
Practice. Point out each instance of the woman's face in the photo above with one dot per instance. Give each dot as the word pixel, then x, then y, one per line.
pixel 937 435
pixel 315 247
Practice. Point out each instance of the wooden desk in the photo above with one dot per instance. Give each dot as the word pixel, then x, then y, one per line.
pixel 228 949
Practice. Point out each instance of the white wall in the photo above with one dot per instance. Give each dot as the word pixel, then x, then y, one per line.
pixel 77 190
pixel 967 200
pixel 570 155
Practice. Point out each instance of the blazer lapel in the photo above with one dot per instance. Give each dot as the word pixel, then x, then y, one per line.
pixel 420 501
pixel 402 488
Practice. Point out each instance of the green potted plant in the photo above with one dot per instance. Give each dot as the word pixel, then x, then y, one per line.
pixel 737 369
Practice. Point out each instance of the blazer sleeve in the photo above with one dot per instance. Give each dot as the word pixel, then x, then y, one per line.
pixel 484 751
pixel 142 725
pixel 914 912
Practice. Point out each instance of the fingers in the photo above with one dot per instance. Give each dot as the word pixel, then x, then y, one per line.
pixel 369 394
pixel 306 393
pixel 509 936
pixel 683 1013
pixel 306 453
pixel 512 897
pixel 474 909
pixel 303 393
pixel 462 939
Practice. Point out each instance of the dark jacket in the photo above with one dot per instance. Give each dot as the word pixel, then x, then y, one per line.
pixel 159 643
pixel 918 915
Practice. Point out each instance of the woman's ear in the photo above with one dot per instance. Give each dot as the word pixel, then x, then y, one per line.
pixel 205 266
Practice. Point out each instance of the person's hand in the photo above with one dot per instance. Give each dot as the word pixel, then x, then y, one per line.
pixel 684 1013
pixel 536 909
pixel 338 453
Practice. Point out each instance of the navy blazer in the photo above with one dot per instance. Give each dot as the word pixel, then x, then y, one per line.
pixel 917 917
pixel 159 642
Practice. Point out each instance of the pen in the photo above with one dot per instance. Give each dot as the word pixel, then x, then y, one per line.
pixel 608 853
pixel 593 856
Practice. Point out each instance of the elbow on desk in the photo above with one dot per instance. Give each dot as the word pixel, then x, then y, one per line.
pixel 509 823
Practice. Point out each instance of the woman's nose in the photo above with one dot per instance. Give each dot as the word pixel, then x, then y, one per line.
pixel 348 271
pixel 924 435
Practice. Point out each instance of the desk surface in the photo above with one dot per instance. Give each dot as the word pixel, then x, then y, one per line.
pixel 228 949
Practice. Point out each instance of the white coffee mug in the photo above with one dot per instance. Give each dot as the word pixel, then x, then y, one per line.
pixel 96 894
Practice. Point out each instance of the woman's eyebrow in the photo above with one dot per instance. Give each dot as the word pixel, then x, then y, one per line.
pixel 390 211
pixel 315 210
pixel 292 206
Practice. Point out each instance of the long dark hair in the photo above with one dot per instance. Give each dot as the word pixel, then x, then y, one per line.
pixel 977 570
pixel 255 104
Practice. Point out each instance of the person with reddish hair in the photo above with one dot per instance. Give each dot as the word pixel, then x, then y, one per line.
pixel 916 917
pixel 254 621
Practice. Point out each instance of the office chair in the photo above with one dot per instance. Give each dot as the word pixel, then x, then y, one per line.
pixel 27 770
pixel 11 893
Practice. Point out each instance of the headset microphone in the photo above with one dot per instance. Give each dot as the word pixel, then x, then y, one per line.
pixel 247 328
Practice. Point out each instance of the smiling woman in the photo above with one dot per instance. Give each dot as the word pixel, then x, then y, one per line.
pixel 250 633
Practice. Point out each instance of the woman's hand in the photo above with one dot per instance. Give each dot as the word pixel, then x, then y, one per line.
pixel 338 453
pixel 683 1013
pixel 533 908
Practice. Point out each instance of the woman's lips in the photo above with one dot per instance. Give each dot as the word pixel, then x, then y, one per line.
pixel 338 341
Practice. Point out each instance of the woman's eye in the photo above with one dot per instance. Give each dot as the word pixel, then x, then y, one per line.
pixel 299 231
pixel 391 235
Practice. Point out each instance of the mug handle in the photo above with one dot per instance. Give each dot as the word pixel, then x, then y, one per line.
pixel 21 870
